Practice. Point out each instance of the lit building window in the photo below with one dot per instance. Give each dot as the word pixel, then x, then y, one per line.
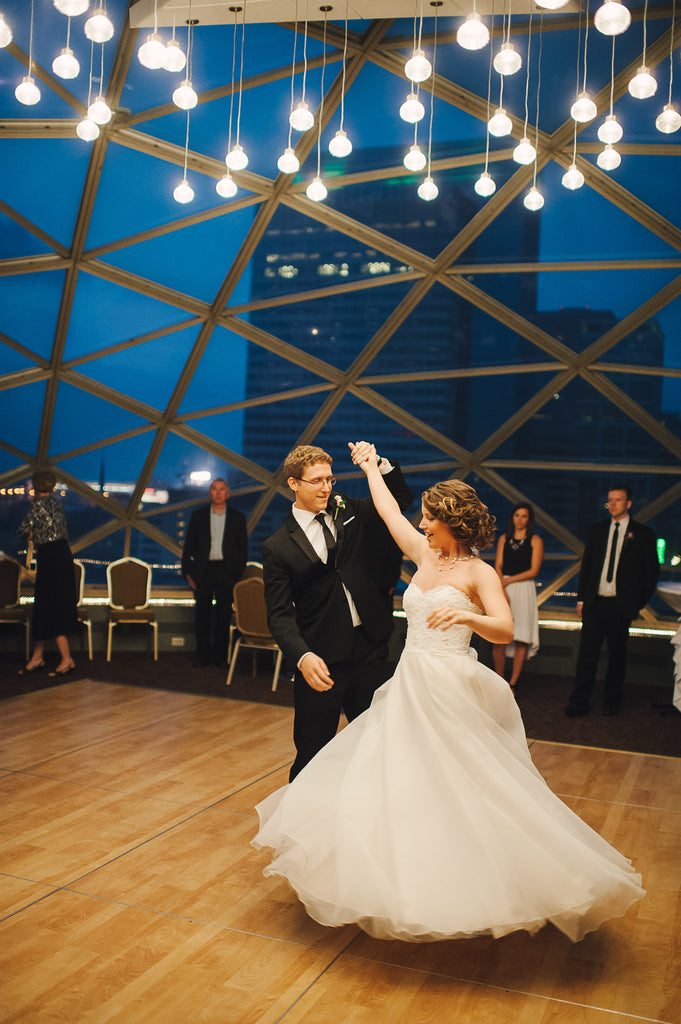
pixel 377 267
pixel 288 271
pixel 327 269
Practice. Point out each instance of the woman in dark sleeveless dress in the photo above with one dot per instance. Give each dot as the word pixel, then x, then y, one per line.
pixel 519 557
pixel 54 605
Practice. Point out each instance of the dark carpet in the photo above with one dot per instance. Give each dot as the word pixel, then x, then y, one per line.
pixel 647 724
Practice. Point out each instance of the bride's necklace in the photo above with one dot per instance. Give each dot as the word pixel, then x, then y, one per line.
pixel 442 562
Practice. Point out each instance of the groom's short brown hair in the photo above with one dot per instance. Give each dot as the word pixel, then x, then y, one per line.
pixel 302 456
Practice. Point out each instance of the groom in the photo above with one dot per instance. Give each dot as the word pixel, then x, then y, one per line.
pixel 324 609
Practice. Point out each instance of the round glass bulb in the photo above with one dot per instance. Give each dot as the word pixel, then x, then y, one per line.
pixel 524 152
pixel 226 186
pixel 508 60
pixel 87 130
pixel 99 111
pixel 66 64
pixel 534 200
pixel 573 178
pixel 610 131
pixel 5 33
pixel 72 8
pixel 99 28
pixel 340 144
pixel 428 190
pixel 174 58
pixel 27 92
pixel 412 110
pixel 643 84
pixel 583 109
pixel 236 159
pixel 612 18
pixel 316 190
pixel 184 96
pixel 415 159
pixel 485 185
pixel 288 162
pixel 608 159
pixel 473 34
pixel 500 123
pixel 152 52
pixel 551 5
pixel 418 68
pixel 669 120
pixel 301 118
pixel 183 193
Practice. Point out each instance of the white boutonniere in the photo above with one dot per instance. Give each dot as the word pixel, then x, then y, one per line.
pixel 340 503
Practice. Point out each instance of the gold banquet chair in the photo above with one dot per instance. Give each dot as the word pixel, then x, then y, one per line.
pixel 129 584
pixel 250 615
pixel 83 613
pixel 251 569
pixel 11 610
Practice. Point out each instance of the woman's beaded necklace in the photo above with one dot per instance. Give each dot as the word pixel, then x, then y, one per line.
pixel 442 563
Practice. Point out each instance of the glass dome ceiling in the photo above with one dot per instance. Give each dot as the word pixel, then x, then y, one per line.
pixel 144 341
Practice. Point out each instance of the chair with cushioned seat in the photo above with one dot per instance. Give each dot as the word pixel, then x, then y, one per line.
pixel 250 614
pixel 129 583
pixel 11 609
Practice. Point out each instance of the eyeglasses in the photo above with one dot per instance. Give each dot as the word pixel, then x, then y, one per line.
pixel 319 481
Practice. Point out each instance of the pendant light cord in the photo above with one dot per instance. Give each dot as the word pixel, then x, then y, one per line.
pixel 241 72
pixel 536 127
pixel 432 87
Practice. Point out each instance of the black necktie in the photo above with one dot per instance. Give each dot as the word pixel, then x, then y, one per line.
pixel 329 538
pixel 613 551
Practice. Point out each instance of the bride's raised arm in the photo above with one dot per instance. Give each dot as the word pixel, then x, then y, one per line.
pixel 404 534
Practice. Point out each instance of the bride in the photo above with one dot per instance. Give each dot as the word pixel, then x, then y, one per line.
pixel 425 817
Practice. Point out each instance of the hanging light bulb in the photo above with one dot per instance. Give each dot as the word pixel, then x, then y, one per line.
pixel 301 117
pixel 99 27
pixel 428 190
pixel 5 32
pixel 152 52
pixel 551 5
pixel 288 162
pixel 534 200
pixel 99 111
pixel 485 185
pixel 583 109
pixel 27 92
pixel 316 190
pixel 643 84
pixel 87 130
pixel 226 186
pixel 236 159
pixel 669 120
pixel 608 159
pixel 610 131
pixel 183 193
pixel 72 8
pixel 612 18
pixel 473 34
pixel 340 144
pixel 66 64
pixel 524 152
pixel 412 110
pixel 508 60
pixel 415 159
pixel 174 58
pixel 573 178
pixel 418 68
pixel 184 96
pixel 500 123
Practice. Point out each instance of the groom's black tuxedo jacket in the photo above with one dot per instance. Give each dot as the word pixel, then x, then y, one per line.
pixel 638 568
pixel 306 604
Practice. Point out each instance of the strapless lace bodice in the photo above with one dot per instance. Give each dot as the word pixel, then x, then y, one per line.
pixel 418 606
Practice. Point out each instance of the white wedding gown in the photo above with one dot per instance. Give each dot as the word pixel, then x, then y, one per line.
pixel 425 818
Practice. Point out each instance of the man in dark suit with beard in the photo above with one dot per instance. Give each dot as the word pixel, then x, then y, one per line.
pixel 213 559
pixel 619 573
pixel 324 608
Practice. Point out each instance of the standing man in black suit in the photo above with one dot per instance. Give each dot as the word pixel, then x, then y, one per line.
pixel 324 609
pixel 619 573
pixel 213 559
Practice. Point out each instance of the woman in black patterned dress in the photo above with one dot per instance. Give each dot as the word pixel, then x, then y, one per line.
pixel 54 605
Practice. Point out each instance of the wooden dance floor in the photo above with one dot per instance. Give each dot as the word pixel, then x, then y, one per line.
pixel 129 892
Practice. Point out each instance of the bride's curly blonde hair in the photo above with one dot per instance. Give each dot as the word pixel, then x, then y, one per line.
pixel 458 506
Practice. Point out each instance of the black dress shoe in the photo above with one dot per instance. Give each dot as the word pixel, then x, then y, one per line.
pixel 201 662
pixel 576 710
pixel 609 709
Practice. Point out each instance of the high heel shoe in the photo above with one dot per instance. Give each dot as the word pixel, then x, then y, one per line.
pixel 29 671
pixel 63 671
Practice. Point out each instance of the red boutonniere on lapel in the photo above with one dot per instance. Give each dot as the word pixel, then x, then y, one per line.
pixel 629 536
pixel 339 502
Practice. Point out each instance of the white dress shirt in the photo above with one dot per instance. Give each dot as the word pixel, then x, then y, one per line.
pixel 607 588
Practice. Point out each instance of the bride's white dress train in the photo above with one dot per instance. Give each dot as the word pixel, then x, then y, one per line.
pixel 425 818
